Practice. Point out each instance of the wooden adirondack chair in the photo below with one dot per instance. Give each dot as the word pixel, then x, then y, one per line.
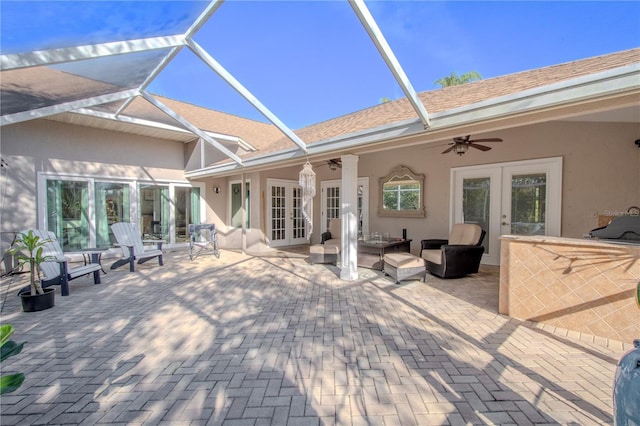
pixel 130 241
pixel 57 271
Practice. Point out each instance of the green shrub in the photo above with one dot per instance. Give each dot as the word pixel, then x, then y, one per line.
pixel 9 348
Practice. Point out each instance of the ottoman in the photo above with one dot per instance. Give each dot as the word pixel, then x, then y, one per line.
pixel 404 266
pixel 324 253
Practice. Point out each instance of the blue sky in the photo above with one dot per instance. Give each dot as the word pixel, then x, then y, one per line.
pixel 312 61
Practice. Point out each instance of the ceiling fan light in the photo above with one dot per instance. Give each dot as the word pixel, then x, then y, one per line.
pixel 460 149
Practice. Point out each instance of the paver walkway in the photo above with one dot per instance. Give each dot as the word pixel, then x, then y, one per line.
pixel 273 340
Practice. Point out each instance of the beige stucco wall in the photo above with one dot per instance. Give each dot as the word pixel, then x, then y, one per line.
pixel 54 147
pixel 601 172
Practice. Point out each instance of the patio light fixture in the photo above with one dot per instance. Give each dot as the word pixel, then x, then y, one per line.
pixel 460 149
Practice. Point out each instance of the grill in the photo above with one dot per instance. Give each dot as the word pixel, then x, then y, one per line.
pixel 624 229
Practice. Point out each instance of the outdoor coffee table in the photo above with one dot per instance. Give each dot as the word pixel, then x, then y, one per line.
pixel 371 252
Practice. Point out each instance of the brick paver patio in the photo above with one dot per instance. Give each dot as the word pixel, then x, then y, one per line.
pixel 273 340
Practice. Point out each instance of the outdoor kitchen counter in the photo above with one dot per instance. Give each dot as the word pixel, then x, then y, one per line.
pixel 582 285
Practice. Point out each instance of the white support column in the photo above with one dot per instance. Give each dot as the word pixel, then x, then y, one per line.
pixel 349 214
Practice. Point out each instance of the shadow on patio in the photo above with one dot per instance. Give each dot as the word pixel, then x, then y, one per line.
pixel 274 340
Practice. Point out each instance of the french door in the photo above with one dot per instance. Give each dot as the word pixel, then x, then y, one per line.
pixel 285 224
pixel 332 204
pixel 518 198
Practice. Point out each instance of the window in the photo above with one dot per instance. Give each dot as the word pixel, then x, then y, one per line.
pixel 401 194
pixel 81 209
pixel 236 204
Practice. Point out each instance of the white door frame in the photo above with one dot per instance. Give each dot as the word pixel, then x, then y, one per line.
pixel 289 186
pixel 500 175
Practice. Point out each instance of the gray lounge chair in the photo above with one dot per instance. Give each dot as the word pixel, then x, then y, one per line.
pixel 130 242
pixel 58 271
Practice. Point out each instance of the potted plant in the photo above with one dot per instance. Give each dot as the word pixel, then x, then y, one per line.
pixel 9 348
pixel 29 249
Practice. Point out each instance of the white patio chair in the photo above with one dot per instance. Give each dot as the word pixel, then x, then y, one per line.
pixel 130 241
pixel 203 237
pixel 58 271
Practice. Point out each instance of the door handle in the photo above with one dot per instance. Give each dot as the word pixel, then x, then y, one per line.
pixel 505 223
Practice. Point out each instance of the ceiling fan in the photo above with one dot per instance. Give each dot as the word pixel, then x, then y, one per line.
pixel 334 163
pixel 461 145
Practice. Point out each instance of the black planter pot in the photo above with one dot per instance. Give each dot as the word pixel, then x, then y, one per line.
pixel 38 302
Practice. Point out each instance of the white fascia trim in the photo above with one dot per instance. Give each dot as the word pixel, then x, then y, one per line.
pixel 578 89
pixel 608 82
pixel 162 126
pixel 129 119
pixel 400 129
pixel 235 139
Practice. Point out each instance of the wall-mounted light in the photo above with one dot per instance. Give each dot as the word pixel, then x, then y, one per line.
pixel 216 189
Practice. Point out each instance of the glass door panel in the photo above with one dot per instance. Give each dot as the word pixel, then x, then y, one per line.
pixel 299 222
pixel 236 204
pixel 187 205
pixel 331 204
pixel 112 203
pixel 476 204
pixel 154 211
pixel 278 215
pixel 68 213
pixel 332 199
pixel 528 204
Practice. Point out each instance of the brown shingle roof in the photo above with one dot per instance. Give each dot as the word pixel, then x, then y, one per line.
pixel 458 96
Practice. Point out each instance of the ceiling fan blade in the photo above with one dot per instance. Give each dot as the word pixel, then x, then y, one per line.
pixel 480 147
pixel 449 149
pixel 462 139
pixel 486 140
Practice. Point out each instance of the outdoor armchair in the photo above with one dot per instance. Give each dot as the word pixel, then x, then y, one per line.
pixel 130 242
pixel 456 257
pixel 57 270
pixel 203 237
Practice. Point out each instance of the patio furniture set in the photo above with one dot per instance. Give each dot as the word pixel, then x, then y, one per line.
pixel 454 257
pixel 56 269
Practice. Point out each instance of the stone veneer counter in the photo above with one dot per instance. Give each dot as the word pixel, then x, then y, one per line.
pixel 583 285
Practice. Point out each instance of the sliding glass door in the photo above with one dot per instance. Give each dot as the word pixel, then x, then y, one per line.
pixel 80 210
pixel 113 204
pixel 68 213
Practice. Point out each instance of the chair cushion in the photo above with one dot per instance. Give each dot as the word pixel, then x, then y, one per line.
pixel 403 260
pixel 324 249
pixel 433 256
pixel 335 227
pixel 467 234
